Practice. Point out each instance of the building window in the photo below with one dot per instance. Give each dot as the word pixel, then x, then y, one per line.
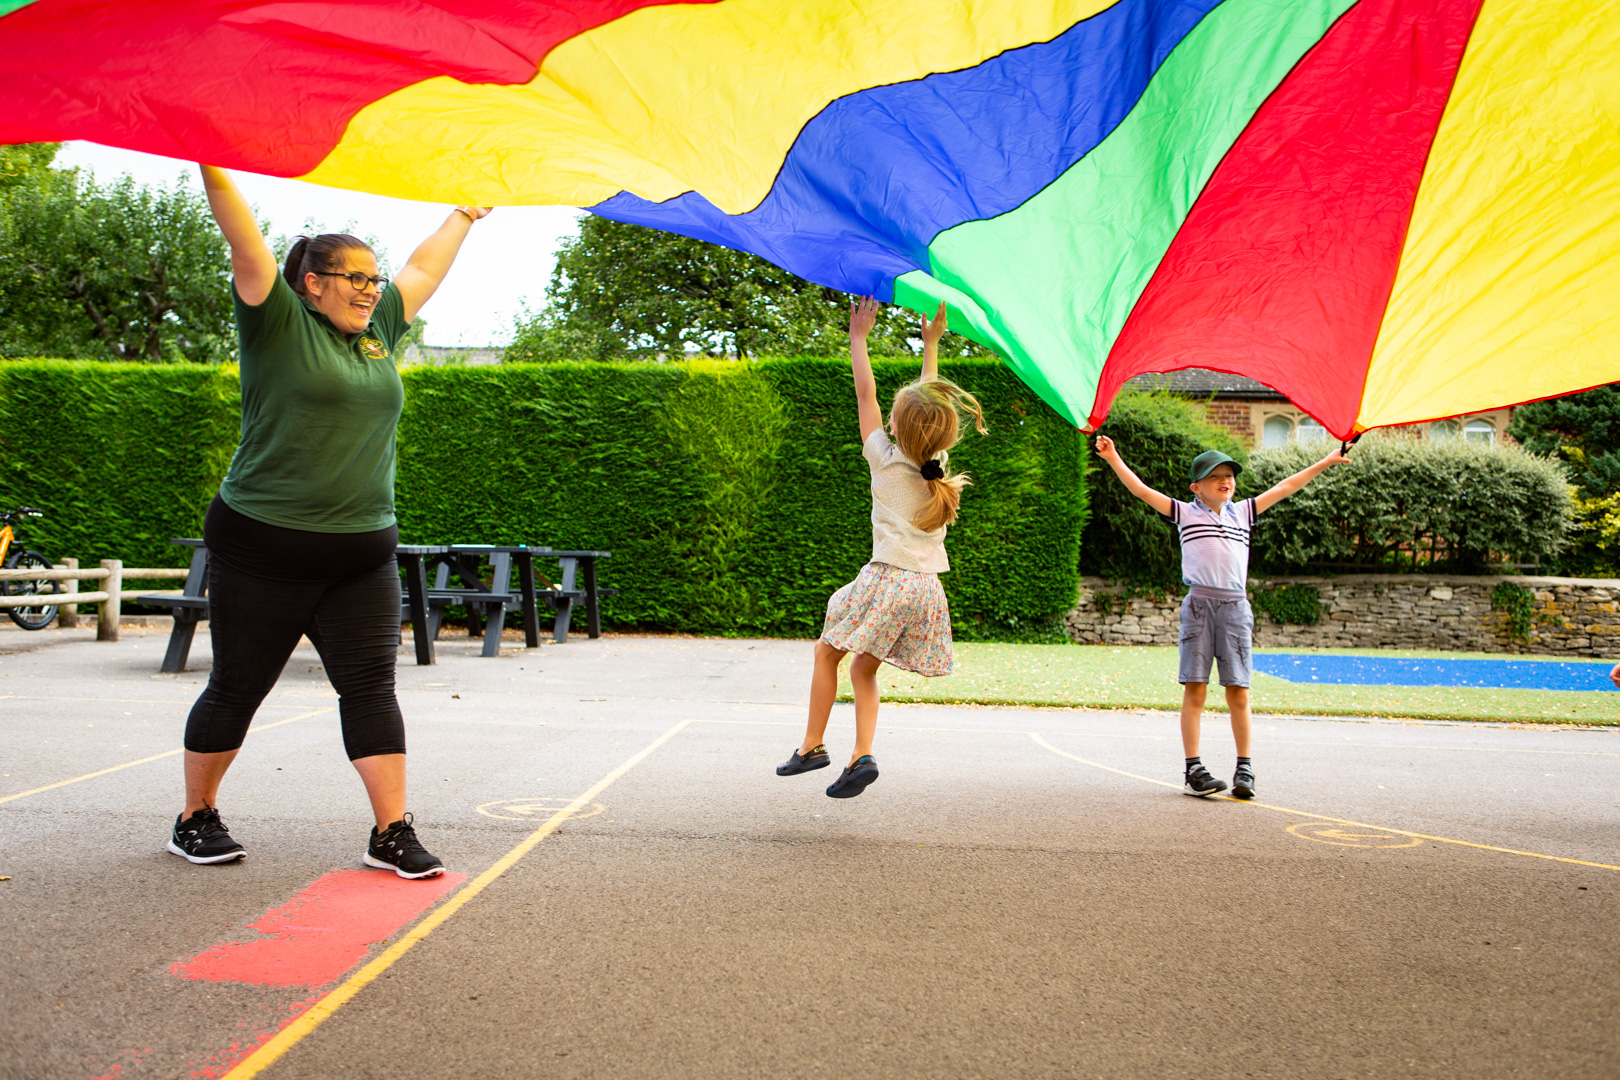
pixel 1310 431
pixel 1277 431
pixel 1479 431
pixel 1444 431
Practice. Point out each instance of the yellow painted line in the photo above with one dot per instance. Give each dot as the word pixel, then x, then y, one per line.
pixel 154 757
pixel 1323 817
pixel 318 1013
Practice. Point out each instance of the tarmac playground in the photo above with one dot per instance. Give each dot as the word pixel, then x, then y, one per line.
pixel 1024 893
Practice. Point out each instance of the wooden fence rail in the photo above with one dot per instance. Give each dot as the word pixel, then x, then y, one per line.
pixel 68 601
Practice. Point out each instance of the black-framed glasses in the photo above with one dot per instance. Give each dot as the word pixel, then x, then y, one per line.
pixel 357 279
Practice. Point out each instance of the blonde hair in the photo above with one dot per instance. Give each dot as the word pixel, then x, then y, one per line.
pixel 927 421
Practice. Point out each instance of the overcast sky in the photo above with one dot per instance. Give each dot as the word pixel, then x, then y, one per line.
pixel 506 261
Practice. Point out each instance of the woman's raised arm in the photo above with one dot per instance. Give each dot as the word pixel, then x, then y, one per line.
pixel 253 264
pixel 424 271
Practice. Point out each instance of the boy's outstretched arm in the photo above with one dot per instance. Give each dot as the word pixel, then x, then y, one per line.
pixel 1287 487
pixel 1133 483
pixel 862 317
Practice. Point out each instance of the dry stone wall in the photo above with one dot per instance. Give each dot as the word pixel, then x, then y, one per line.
pixel 1571 616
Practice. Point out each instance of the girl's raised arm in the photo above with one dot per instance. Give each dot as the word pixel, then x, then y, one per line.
pixel 253 264
pixel 423 272
pixel 862 317
pixel 932 330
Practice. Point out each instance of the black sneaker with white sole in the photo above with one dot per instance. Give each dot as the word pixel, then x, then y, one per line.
pixel 203 838
pixel 1202 784
pixel 1243 783
pixel 854 779
pixel 396 848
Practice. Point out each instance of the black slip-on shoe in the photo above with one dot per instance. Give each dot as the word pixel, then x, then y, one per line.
pixel 1200 783
pixel 1243 783
pixel 854 779
pixel 396 848
pixel 815 759
pixel 203 838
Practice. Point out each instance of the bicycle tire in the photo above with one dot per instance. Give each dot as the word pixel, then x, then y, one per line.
pixel 31 618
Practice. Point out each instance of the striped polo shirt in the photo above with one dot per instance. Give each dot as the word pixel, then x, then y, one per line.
pixel 1214 547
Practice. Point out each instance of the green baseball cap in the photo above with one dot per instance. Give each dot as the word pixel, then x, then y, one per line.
pixel 1205 463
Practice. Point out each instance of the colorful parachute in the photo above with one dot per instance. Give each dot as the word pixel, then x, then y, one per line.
pixel 1390 210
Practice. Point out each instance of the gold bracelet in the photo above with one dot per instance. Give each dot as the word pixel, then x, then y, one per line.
pixel 466 213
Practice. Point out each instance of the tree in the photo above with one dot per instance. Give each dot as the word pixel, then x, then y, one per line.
pixel 117 272
pixel 628 292
pixel 1582 428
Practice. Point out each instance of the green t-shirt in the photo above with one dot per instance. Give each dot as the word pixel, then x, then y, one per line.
pixel 319 412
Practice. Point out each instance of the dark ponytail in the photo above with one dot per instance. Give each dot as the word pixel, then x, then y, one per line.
pixel 316 255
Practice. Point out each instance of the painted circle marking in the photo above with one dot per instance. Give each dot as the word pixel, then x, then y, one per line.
pixel 1328 832
pixel 534 809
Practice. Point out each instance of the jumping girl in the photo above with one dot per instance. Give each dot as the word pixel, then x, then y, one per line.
pixel 895 610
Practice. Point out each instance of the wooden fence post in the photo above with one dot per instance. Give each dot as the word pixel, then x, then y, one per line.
pixel 68 614
pixel 107 621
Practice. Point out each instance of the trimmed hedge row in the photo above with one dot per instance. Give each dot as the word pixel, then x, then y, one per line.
pixel 733 496
pixel 120 456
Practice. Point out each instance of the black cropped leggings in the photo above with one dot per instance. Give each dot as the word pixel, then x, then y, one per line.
pixel 255 623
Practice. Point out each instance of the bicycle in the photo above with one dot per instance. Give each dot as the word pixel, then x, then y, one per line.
pixel 29 618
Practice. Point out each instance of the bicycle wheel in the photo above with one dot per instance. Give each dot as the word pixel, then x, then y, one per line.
pixel 30 617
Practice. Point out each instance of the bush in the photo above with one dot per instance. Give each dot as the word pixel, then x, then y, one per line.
pixel 1158 435
pixel 733 496
pixel 1406 504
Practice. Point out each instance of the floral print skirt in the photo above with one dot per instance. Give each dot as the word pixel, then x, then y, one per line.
pixel 894 614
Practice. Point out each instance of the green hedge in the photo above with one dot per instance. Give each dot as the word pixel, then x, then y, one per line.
pixel 120 456
pixel 733 496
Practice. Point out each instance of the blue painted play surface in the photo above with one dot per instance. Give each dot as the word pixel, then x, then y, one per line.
pixel 1389 671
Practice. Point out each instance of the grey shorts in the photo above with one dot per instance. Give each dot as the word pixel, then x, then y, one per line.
pixel 1221 631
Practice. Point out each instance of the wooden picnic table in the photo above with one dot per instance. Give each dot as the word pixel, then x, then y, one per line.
pixel 459 580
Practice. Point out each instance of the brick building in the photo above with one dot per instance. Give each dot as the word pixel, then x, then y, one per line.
pixel 1263 418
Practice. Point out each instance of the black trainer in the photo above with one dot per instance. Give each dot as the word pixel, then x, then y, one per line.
pixel 815 759
pixel 854 778
pixel 1202 784
pixel 396 848
pixel 1243 783
pixel 203 838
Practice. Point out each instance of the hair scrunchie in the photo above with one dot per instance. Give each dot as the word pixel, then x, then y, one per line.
pixel 932 470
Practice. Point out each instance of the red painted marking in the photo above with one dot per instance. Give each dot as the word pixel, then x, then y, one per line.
pixel 219 1064
pixel 324 931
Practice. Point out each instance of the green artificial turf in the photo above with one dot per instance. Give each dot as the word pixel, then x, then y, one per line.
pixel 1105 676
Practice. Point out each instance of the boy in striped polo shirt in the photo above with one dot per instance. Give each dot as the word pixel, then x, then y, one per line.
pixel 1217 623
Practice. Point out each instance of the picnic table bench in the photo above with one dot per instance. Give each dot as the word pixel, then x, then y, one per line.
pixel 190 607
pixel 458 580
pixel 423 604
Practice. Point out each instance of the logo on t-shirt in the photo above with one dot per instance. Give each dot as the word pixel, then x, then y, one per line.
pixel 374 349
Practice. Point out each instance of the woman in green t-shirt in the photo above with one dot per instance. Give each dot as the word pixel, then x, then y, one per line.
pixel 302 534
